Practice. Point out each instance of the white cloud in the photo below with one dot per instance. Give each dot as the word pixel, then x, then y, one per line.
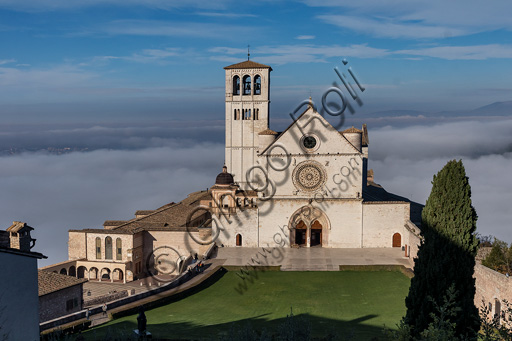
pixel 305 37
pixel 59 76
pixel 7 61
pixel 413 19
pixel 462 52
pixel 226 15
pixel 174 29
pixel 55 5
pixel 390 28
pixel 306 53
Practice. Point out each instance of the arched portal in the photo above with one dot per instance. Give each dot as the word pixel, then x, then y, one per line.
pixel 117 274
pixel 309 226
pixel 105 274
pixel 93 273
pixel 63 271
pixel 72 271
pixel 397 240
pixel 238 239
pixel 81 272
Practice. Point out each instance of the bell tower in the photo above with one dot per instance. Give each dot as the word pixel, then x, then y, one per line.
pixel 247 111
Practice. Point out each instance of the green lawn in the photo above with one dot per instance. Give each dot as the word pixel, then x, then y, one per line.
pixel 359 302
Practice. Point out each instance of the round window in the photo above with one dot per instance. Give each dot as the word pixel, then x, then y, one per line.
pixel 309 142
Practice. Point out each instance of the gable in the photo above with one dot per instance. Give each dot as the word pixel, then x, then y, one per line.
pixel 310 123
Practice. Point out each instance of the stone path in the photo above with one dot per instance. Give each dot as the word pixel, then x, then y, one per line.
pixel 312 259
pixel 211 265
pixel 93 289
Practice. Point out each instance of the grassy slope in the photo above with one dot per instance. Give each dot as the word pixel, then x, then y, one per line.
pixel 341 302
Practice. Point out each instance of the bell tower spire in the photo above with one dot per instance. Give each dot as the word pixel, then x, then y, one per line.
pixel 247 114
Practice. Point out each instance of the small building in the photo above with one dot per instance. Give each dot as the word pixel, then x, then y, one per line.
pixel 59 295
pixel 19 307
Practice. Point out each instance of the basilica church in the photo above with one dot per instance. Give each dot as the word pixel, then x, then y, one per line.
pixel 311 182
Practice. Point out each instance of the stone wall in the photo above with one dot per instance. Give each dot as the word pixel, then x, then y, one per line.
pixel 55 304
pixel 77 248
pixel 381 220
pixel 244 223
pixel 491 287
pixel 412 241
pixel 18 297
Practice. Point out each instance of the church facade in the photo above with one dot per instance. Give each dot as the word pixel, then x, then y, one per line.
pixel 309 183
pixel 310 180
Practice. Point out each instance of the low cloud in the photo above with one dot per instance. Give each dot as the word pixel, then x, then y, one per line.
pixel 55 193
pixel 405 160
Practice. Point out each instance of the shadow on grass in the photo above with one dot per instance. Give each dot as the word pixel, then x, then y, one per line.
pixel 320 329
pixel 161 299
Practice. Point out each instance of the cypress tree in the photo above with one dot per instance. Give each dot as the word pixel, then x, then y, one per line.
pixel 446 255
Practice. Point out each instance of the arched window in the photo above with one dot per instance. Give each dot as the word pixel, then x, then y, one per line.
pixel 98 248
pixel 239 240
pixel 257 85
pixel 234 114
pixel 119 249
pixel 247 85
pixel 236 85
pixel 497 309
pixel 256 113
pixel 108 248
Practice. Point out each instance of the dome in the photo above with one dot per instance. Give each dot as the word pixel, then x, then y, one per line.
pixel 224 178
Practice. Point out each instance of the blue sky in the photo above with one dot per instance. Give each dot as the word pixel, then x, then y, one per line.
pixel 94 61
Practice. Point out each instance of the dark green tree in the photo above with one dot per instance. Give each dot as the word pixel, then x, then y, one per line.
pixel 446 255
pixel 497 258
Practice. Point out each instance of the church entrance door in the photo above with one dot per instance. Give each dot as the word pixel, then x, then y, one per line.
pixel 397 240
pixel 316 234
pixel 300 234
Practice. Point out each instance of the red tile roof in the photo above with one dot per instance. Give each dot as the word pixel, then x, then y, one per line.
pixel 49 282
pixel 248 64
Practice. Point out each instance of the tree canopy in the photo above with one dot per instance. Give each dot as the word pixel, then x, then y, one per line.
pixel 446 256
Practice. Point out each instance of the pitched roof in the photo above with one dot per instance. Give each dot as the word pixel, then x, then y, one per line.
pixel 49 282
pixel 17 226
pixel 114 222
pixel 267 132
pixel 144 212
pixel 248 64
pixel 171 216
pixel 352 130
